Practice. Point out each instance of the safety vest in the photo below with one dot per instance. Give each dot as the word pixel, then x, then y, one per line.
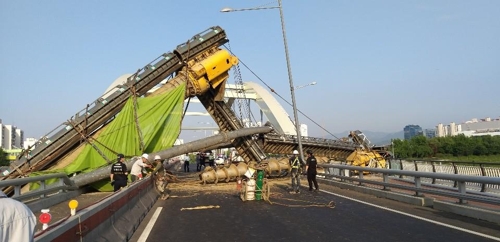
pixel 295 163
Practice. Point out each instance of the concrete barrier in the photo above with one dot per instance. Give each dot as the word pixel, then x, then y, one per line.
pixel 467 211
pixel 113 219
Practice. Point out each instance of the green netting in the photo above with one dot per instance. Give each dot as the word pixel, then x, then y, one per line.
pixel 159 119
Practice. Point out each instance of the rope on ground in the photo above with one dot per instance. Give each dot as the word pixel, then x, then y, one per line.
pixel 308 204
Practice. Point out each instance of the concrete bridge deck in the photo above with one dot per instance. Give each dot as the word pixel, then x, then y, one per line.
pixel 187 216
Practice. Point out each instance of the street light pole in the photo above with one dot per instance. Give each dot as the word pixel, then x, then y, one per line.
pixel 290 79
pixel 306 85
pixel 289 68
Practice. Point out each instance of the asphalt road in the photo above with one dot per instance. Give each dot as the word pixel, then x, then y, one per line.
pixel 302 217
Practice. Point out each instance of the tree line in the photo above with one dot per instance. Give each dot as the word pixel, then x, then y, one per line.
pixel 3 158
pixel 460 145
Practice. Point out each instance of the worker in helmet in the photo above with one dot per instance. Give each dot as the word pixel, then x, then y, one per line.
pixel 136 171
pixel 311 164
pixel 157 160
pixel 295 164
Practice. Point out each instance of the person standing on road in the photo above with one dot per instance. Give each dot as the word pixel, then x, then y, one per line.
pixel 186 163
pixel 136 170
pixel 17 221
pixel 119 173
pixel 295 164
pixel 202 160
pixel 198 161
pixel 311 164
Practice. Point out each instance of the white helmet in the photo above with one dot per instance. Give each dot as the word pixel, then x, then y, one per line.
pixel 146 156
pixel 295 152
pixel 157 157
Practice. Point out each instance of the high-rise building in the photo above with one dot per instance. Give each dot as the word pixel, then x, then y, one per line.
pixel 303 130
pixel 430 133
pixel 1 134
pixel 453 129
pixel 11 137
pixel 411 131
pixel 440 130
pixel 18 139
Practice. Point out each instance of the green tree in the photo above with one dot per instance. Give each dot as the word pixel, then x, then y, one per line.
pixel 463 146
pixel 479 147
pixel 420 147
pixel 460 145
pixel 446 145
pixel 401 148
pixel 3 158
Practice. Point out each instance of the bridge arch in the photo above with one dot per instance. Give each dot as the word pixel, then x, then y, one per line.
pixel 267 103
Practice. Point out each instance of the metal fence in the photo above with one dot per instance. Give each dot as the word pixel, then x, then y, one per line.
pixel 460 190
pixel 459 168
pixel 61 185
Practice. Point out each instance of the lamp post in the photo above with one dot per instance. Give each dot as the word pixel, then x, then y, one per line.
pixel 306 85
pixel 289 68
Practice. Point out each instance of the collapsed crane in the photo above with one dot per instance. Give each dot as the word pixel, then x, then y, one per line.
pixel 199 64
pixel 202 67
pixel 364 155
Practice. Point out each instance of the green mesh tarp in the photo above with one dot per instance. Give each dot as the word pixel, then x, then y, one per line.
pixel 159 118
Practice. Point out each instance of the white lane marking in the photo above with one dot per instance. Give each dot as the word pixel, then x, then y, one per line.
pixel 149 227
pixel 415 216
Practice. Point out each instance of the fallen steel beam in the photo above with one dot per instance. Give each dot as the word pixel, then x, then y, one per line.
pixel 103 172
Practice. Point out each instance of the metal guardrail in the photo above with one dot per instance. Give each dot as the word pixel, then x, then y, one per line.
pixel 461 192
pixel 62 185
pixel 459 168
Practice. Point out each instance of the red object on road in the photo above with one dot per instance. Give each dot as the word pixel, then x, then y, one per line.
pixel 45 218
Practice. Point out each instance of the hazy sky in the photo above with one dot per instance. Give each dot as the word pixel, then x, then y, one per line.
pixel 379 65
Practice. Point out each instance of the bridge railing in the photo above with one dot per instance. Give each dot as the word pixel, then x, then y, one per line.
pixel 61 185
pixel 453 167
pixel 343 172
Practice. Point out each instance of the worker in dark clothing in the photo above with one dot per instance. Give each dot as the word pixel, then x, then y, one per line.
pixel 198 161
pixel 311 170
pixel 119 173
pixel 186 163
pixel 295 165
pixel 202 160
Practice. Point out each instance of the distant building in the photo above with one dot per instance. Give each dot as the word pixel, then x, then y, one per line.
pixel 303 130
pixel 411 131
pixel 1 134
pixel 474 127
pixel 440 130
pixel 12 138
pixel 430 133
pixel 29 142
